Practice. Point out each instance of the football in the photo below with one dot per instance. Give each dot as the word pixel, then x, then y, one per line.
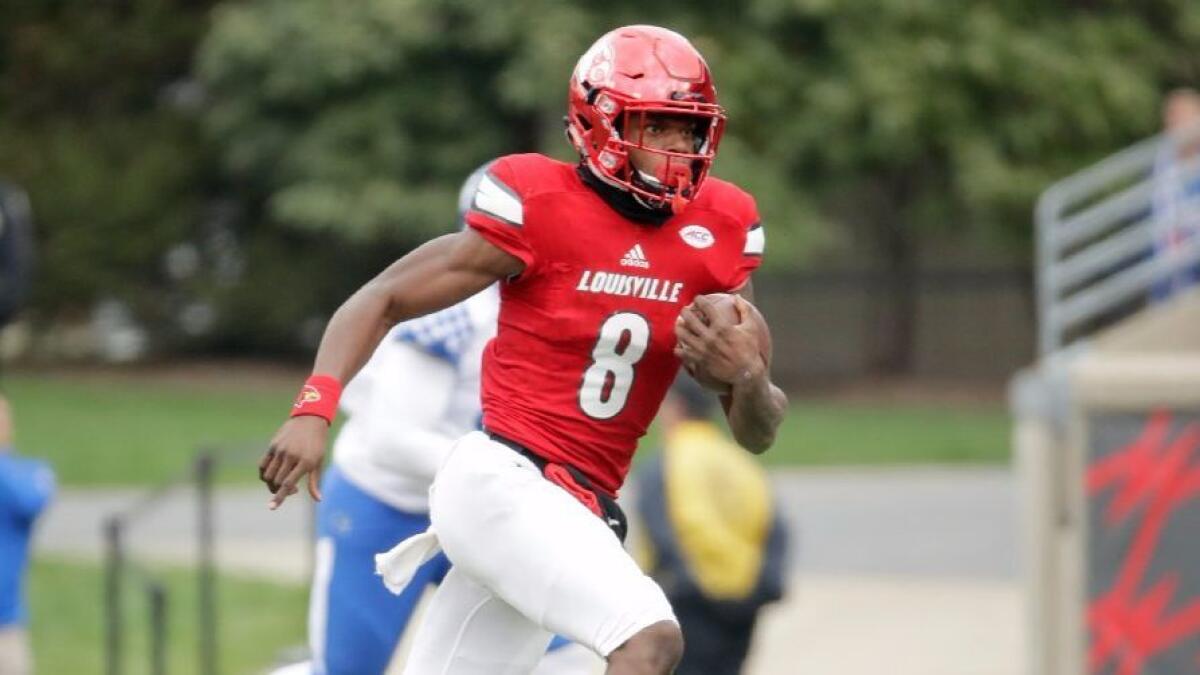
pixel 723 310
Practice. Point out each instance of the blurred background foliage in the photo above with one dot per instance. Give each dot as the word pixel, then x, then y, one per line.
pixel 226 172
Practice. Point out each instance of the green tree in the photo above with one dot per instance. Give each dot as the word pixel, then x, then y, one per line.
pixel 908 120
pixel 363 118
pixel 115 172
pixel 345 129
pixel 865 128
pixel 868 125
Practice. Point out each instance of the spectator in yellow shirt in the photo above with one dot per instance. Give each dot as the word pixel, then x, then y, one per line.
pixel 717 542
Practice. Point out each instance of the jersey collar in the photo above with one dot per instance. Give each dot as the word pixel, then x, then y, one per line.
pixel 621 201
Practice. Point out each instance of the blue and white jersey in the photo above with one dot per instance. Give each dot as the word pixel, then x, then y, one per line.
pixel 415 397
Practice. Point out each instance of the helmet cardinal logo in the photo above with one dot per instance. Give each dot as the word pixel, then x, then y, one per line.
pixel 596 65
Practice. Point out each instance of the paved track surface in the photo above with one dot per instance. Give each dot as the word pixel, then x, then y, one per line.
pixel 905 571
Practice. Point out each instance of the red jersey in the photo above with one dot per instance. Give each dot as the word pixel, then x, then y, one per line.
pixel 583 353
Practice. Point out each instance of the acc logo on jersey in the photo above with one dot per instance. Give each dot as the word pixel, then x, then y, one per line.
pixel 697 236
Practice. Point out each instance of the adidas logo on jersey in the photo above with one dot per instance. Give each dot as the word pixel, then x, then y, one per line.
pixel 635 257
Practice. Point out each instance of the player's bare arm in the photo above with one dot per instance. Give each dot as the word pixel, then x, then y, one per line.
pixel 436 275
pixel 730 352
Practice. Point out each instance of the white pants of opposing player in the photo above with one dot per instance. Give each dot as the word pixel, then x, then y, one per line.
pixel 529 561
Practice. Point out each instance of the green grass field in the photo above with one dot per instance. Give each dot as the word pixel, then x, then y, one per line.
pixel 129 430
pixel 817 432
pixel 257 621
pixel 123 430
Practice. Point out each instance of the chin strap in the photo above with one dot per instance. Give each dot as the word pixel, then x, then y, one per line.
pixel 623 201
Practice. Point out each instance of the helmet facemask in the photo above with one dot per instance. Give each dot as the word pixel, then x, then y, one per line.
pixel 675 174
pixel 674 179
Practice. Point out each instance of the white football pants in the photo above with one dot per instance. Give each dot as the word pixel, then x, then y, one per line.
pixel 529 561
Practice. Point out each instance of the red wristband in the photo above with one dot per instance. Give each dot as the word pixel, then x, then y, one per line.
pixel 319 396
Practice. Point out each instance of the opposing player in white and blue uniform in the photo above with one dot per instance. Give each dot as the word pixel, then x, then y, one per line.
pixel 416 396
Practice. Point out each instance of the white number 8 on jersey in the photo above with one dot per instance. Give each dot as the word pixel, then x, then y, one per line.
pixel 622 343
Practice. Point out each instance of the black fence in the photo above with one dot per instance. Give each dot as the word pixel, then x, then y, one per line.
pixel 975 324
pixel 123 573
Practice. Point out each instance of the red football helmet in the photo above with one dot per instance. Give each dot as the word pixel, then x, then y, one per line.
pixel 640 71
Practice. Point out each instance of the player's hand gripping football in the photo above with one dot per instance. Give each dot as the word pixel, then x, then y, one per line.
pixel 710 343
pixel 297 449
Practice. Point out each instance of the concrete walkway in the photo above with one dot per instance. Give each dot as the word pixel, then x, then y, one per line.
pixel 904 572
pixel 895 571
pixel 250 540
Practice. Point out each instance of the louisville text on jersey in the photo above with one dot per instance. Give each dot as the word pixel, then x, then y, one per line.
pixel 628 285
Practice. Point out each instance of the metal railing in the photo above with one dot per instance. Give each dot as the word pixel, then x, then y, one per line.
pixel 1101 235
pixel 118 563
pixel 119 566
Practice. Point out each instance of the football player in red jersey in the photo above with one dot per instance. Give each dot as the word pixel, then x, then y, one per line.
pixel 601 267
